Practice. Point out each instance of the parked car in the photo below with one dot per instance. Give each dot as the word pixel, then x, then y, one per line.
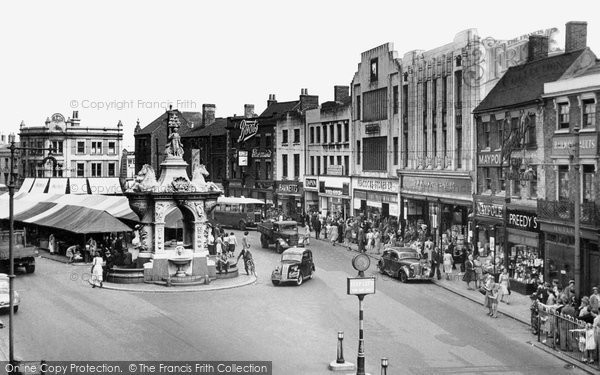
pixel 283 234
pixel 4 293
pixel 296 265
pixel 23 254
pixel 404 263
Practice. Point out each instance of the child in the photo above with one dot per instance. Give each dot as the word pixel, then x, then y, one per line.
pixel 587 342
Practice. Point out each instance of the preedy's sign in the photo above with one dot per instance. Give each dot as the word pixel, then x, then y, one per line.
pixel 527 221
pixel 248 129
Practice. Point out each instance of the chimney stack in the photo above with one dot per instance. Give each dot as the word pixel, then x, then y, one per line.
pixel 75 120
pixel 537 48
pixel 271 100
pixel 341 93
pixel 208 114
pixel 575 36
pixel 248 110
pixel 308 101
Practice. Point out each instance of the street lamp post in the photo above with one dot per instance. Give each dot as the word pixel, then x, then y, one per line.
pixel 11 245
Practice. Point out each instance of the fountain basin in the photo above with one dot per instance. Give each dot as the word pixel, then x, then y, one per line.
pixel 180 262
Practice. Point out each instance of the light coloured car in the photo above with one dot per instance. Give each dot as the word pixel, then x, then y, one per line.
pixel 4 293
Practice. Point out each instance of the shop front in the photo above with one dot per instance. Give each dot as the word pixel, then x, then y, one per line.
pixel 523 251
pixel 375 197
pixel 311 194
pixel 290 199
pixel 436 207
pixel 559 242
pixel 488 233
pixel 334 196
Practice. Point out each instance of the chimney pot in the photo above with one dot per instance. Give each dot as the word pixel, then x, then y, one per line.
pixel 271 100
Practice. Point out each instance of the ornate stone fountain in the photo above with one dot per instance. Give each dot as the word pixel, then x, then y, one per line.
pixel 152 200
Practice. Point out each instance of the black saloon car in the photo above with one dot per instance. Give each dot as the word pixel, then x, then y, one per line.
pixel 296 265
pixel 404 263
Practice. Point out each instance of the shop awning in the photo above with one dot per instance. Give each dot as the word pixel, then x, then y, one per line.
pixel 39 185
pixel 105 186
pixel 57 186
pixel 26 185
pixel 79 219
pixel 39 208
pixel 78 186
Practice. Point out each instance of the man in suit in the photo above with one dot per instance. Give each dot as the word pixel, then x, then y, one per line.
pixel 436 259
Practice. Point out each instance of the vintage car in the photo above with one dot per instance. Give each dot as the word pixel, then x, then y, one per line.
pixel 296 265
pixel 404 263
pixel 284 234
pixel 4 293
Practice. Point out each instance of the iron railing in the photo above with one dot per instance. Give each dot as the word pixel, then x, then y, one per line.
pixel 563 333
pixel 565 211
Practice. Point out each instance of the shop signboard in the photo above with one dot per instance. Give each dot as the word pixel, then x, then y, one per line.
pixel 288 188
pixel 361 285
pixel 388 186
pixel 522 220
pixel 489 159
pixel 333 191
pixel 335 170
pixel 243 158
pixel 248 129
pixel 437 185
pixel 261 154
pixel 563 144
pixel 489 209
pixel 310 183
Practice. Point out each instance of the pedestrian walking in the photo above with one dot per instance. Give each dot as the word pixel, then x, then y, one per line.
pixel 377 241
pixel 306 234
pixel 333 233
pixel 478 271
pixel 493 298
pixel 347 235
pixel 361 239
pixel 219 245
pixel 369 240
pixel 97 271
pixel 448 260
pixel 469 272
pixel 504 281
pixel 436 259
pixel 317 227
pixel 52 244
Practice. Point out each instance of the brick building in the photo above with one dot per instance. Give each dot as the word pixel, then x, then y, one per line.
pixel 512 160
pixel 571 125
pixel 150 141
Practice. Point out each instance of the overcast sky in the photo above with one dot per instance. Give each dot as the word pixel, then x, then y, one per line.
pixel 137 56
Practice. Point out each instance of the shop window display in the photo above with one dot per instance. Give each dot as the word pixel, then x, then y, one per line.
pixel 526 265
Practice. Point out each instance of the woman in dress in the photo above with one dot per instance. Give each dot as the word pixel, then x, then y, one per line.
pixel 377 240
pixel 52 244
pixel 478 271
pixel 369 240
pixel 504 281
pixel 448 264
pixel 219 245
pixel 469 272
pixel 97 264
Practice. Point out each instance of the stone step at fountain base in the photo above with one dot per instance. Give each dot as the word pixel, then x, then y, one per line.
pixel 183 280
pixel 232 272
pixel 121 275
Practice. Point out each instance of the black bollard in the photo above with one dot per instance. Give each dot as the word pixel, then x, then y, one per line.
pixel 340 348
pixel 384 365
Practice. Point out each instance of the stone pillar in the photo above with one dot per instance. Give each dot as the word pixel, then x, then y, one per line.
pixel 200 238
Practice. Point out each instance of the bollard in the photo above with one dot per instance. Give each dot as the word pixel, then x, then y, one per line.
pixel 340 348
pixel 384 365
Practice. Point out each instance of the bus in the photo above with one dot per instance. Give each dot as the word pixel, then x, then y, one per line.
pixel 238 212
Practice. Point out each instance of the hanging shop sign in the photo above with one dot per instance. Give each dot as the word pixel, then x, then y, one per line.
pixel 242 158
pixel 248 129
pixel 527 221
pixel 390 186
pixel 261 154
pixel 437 185
pixel 489 209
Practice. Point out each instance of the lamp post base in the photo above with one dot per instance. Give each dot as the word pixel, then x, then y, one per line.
pixel 346 366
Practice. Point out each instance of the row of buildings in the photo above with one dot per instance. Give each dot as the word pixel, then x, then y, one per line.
pixel 475 139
